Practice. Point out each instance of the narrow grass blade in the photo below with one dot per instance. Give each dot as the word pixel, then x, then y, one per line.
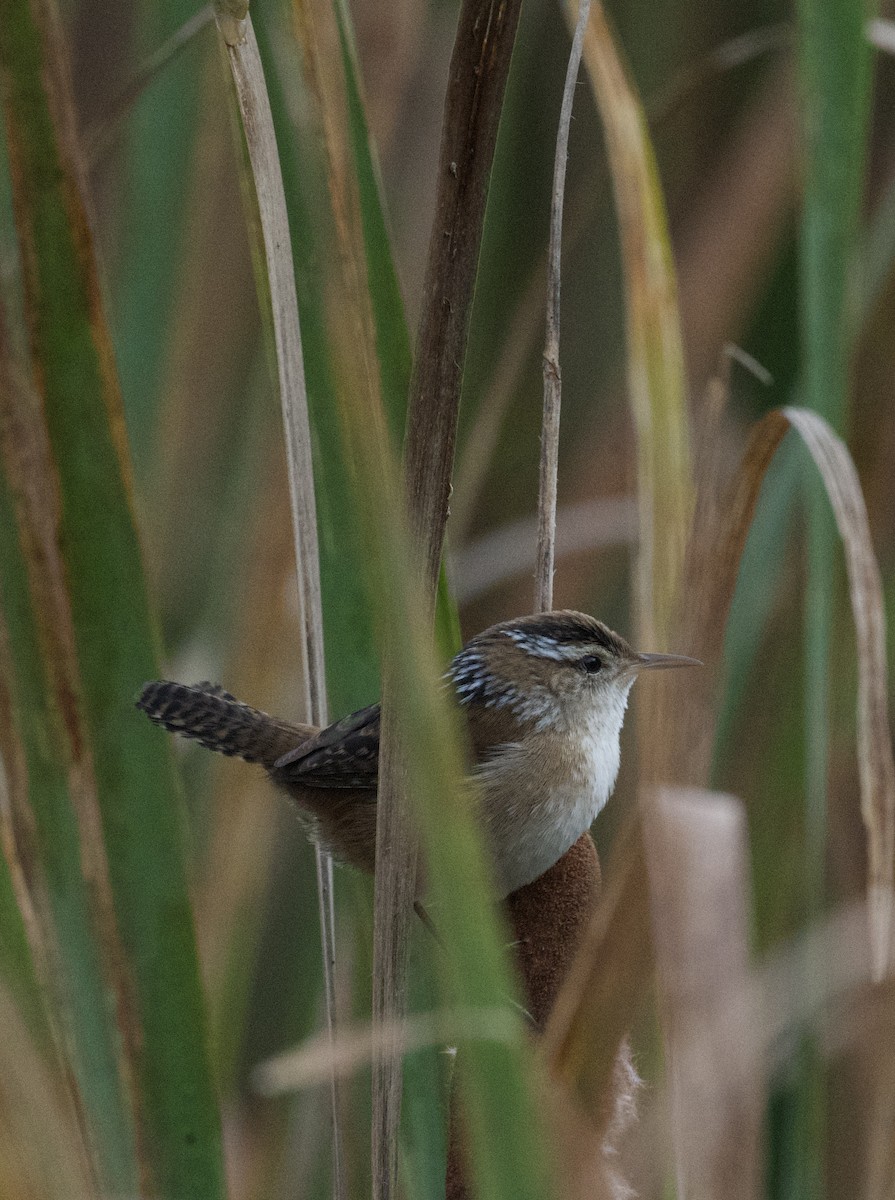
pixel 158 149
pixel 656 378
pixel 834 58
pixel 359 320
pixel 100 581
pixel 834 61
pixel 506 1151
pixel 257 121
pixel 392 338
pixel 63 897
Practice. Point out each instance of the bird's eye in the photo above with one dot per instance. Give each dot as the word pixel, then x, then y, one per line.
pixel 590 664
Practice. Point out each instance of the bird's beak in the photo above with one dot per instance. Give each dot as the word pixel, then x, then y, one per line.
pixel 657 662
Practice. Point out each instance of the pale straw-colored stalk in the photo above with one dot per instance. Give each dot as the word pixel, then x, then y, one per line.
pixel 546 554
pixel 235 24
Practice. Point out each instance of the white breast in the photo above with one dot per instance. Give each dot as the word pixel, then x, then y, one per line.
pixel 541 794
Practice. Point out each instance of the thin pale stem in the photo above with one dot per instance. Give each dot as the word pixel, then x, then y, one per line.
pixel 254 106
pixel 543 600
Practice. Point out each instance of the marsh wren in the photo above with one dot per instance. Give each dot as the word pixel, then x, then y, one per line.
pixel 544 697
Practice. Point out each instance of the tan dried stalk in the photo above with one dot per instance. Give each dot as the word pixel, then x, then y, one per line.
pixel 479 67
pixel 546 552
pixel 697 855
pixel 236 28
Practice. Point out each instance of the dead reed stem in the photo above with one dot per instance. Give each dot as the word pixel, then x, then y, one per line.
pixel 552 377
pixel 235 25
pixel 479 67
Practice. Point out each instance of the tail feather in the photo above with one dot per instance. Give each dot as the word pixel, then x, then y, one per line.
pixel 218 721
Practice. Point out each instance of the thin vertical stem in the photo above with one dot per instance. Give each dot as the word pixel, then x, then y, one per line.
pixel 486 31
pixel 254 106
pixel 552 376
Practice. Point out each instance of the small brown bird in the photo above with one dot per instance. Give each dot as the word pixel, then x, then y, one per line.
pixel 545 698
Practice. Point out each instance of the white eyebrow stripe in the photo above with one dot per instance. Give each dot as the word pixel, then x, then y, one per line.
pixel 542 646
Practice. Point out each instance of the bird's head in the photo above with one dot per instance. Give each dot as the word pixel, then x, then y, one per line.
pixel 557 669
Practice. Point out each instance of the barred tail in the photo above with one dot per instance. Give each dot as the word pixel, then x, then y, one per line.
pixel 219 721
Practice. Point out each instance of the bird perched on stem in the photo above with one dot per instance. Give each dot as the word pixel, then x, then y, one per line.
pixel 544 697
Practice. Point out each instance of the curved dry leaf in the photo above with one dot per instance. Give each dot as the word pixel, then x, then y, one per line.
pixel 712 575
pixel 611 972
pixel 876 768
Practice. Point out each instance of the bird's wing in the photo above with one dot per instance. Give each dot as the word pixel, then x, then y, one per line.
pixel 344 755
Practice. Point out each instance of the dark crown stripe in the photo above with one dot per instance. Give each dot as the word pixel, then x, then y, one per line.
pixel 572 631
pixel 564 630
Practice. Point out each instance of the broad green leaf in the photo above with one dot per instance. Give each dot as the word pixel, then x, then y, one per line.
pixel 113 644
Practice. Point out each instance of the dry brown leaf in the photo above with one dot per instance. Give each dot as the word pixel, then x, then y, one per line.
pixel 712 581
